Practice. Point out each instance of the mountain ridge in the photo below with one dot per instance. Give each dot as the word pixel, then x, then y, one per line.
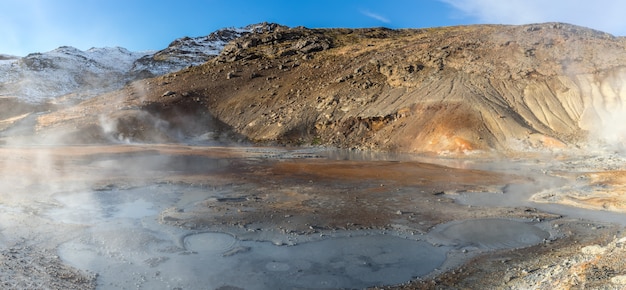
pixel 71 72
pixel 478 88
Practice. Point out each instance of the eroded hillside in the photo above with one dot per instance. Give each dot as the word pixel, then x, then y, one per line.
pixel 450 89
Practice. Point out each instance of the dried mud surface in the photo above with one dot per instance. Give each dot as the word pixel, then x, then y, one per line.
pixel 289 196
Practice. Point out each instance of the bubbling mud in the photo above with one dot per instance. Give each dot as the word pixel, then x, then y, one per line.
pixel 340 262
pixel 490 234
pixel 210 243
pixel 126 246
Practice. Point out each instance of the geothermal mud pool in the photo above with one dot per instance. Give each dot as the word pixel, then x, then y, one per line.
pixel 168 216
pixel 126 246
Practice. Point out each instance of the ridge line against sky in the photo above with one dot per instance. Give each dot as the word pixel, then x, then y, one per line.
pixel 28 26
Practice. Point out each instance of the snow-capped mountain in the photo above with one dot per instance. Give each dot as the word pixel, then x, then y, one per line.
pixel 40 76
pixel 66 70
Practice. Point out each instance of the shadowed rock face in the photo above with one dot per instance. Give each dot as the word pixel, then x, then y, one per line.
pixel 450 89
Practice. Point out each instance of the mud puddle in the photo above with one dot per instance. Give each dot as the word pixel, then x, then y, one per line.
pixel 126 246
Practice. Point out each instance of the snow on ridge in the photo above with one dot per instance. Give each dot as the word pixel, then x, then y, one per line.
pixel 114 58
pixel 187 51
pixel 39 77
pixel 68 70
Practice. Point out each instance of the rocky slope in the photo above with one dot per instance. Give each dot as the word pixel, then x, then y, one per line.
pixel 189 51
pixel 449 89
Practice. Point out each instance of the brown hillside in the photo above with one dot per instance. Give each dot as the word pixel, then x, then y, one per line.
pixel 449 89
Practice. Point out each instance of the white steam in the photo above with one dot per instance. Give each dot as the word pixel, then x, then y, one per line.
pixel 604 114
pixel 108 125
pixel 612 128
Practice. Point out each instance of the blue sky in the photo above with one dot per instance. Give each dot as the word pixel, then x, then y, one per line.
pixel 41 25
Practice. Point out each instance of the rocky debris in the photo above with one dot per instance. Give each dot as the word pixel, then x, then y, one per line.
pixel 24 267
pixel 586 257
pixel 168 93
pixel 188 51
pixel 595 266
pixel 277 41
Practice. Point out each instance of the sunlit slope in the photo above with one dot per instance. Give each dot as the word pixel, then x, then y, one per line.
pixel 450 89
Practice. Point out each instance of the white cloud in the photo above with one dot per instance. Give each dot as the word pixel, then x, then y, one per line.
pixel 605 15
pixel 375 16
